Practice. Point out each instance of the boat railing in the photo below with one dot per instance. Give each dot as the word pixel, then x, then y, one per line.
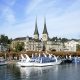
pixel 44 55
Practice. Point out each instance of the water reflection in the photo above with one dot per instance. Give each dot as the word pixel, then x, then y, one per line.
pixel 57 72
pixel 39 73
pixel 9 72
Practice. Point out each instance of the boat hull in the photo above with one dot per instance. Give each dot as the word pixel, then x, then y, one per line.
pixel 35 64
pixel 3 63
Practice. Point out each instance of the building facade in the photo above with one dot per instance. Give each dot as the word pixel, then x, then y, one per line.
pixel 17 40
pixel 36 44
pixel 71 46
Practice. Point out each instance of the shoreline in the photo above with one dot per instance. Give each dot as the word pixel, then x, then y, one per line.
pixel 11 62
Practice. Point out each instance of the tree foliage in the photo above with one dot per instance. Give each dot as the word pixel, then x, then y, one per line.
pixel 54 38
pixel 4 39
pixel 19 46
pixel 64 40
pixel 78 47
pixel 59 39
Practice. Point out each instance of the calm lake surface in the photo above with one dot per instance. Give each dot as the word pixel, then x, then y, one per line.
pixel 57 72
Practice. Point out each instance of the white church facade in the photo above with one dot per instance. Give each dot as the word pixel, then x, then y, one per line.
pixel 36 44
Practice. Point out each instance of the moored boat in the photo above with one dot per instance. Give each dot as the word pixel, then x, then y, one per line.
pixel 68 59
pixel 76 59
pixel 2 61
pixel 71 59
pixel 39 61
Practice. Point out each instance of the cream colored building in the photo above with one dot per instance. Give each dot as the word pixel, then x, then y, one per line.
pixel 36 44
pixel 16 40
pixel 71 46
pixel 52 45
pixel 32 44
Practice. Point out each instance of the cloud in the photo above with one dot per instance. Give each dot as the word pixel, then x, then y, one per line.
pixel 9 2
pixel 62 18
pixel 32 5
pixel 8 16
pixel 44 7
pixel 19 30
pixel 66 25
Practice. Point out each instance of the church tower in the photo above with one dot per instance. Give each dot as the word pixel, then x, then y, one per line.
pixel 45 33
pixel 36 33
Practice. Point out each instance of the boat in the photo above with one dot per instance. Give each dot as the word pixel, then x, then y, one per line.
pixel 71 59
pixel 39 61
pixel 76 59
pixel 2 61
pixel 68 59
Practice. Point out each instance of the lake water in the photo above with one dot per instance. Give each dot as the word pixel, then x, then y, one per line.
pixel 57 72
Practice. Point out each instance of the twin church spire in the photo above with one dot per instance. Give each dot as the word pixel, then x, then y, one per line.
pixel 45 28
pixel 36 29
pixel 44 34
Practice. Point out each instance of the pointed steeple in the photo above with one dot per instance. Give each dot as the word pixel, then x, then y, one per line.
pixel 36 29
pixel 36 33
pixel 45 33
pixel 45 29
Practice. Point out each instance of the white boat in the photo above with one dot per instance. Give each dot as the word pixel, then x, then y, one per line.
pixel 39 61
pixel 2 61
pixel 76 59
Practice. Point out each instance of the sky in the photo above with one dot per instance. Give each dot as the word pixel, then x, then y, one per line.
pixel 17 17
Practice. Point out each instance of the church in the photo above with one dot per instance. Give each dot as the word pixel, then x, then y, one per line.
pixel 36 44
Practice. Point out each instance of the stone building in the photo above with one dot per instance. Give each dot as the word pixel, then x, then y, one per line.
pixel 16 40
pixel 71 46
pixel 36 44
pixel 44 43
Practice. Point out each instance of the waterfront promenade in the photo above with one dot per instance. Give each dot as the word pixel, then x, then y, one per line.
pixel 15 55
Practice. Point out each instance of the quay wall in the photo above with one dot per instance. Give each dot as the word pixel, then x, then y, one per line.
pixel 16 55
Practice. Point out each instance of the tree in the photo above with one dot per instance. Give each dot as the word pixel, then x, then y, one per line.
pixel 9 41
pixel 54 38
pixel 78 47
pixel 4 39
pixel 19 46
pixel 64 40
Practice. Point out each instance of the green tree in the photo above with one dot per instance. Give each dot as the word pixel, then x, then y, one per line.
pixel 64 40
pixel 19 46
pixel 54 38
pixel 78 47
pixel 4 39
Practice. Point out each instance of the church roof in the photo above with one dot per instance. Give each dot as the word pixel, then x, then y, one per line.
pixel 45 29
pixel 20 38
pixel 36 29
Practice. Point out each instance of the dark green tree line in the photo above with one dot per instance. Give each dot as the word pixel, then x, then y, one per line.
pixel 4 39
